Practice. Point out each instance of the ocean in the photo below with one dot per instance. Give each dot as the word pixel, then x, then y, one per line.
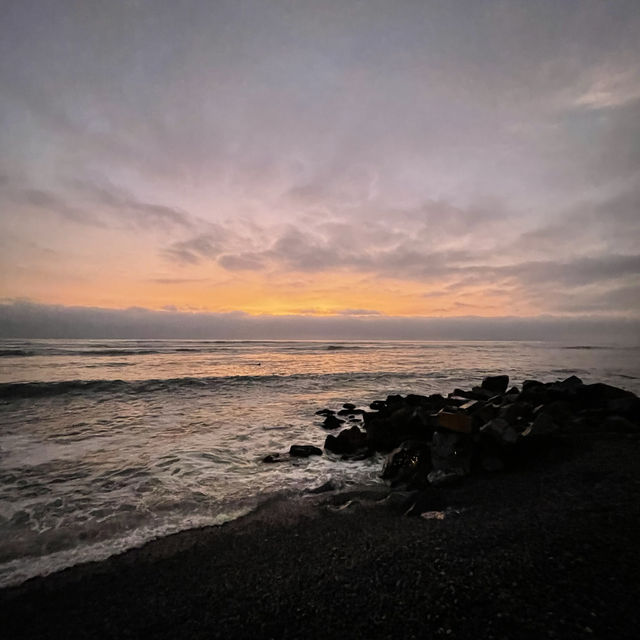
pixel 106 444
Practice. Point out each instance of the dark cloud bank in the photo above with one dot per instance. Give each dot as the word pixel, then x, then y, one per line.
pixel 28 320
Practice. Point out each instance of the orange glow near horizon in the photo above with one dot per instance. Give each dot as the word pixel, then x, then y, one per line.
pixel 256 294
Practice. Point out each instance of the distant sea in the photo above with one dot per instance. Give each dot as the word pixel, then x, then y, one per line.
pixel 106 444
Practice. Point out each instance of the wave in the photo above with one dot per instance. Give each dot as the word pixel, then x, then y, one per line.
pixel 581 347
pixel 15 353
pixel 21 390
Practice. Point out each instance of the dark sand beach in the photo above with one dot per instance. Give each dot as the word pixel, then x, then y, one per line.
pixel 547 551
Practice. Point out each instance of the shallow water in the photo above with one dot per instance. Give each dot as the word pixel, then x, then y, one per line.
pixel 107 444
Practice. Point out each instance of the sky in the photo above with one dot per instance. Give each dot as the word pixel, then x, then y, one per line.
pixel 373 163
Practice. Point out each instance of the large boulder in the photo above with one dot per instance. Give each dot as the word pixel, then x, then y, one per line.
pixel 348 442
pixel 495 384
pixel 331 422
pixel 387 430
pixel 304 451
pixel 500 430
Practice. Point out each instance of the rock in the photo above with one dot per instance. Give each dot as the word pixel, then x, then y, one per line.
pixel 469 395
pixel 440 477
pixel 530 385
pixel 483 412
pixel 514 391
pixel 496 384
pixel 348 405
pixel 394 399
pixel 516 412
pixel 304 451
pixel 436 401
pixel 325 412
pixel 483 394
pixel 451 452
pixel 409 464
pixel 415 400
pixel 469 406
pixel 619 424
pixel 351 412
pixel 331 422
pixel 500 430
pixel 378 405
pixel 600 395
pixel 627 406
pixel 388 429
pixel 571 381
pixel 543 425
pixel 275 457
pixel 460 422
pixel 349 441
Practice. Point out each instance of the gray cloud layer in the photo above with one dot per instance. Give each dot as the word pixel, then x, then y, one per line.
pixel 27 320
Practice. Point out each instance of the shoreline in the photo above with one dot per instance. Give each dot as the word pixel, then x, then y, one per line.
pixel 545 551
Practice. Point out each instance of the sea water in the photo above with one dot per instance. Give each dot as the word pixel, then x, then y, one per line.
pixel 107 444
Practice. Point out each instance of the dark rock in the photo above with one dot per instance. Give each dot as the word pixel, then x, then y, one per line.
pixel 325 412
pixel 304 451
pixel 378 405
pixel 409 464
pixel 496 384
pixel 482 393
pixel 349 441
pixel 483 412
pixel 439 477
pixel 627 406
pixel 451 452
pixel 529 385
pixel 348 405
pixel 387 430
pixel 469 395
pixel 394 400
pixel 513 391
pixel 331 422
pixel 436 401
pixel 351 412
pixel 500 430
pixel 619 424
pixel 414 400
pixel 275 457
pixel 457 401
pixel 600 395
pixel 516 412
pixel 543 425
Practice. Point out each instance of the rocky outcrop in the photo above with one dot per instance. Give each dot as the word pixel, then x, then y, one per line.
pixel 349 442
pixel 432 440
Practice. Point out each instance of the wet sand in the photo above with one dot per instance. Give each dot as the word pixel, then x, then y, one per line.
pixel 550 551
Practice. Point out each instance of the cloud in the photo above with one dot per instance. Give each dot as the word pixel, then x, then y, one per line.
pixel 28 320
pixel 132 211
pixel 196 249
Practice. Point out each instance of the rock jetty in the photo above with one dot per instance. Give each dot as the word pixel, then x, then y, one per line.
pixel 434 440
